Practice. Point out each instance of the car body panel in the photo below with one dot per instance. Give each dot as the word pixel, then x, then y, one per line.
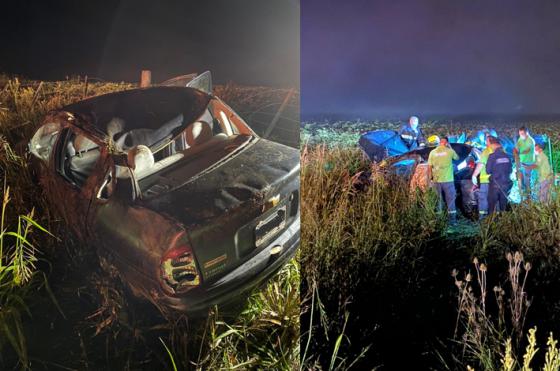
pixel 227 201
pixel 213 198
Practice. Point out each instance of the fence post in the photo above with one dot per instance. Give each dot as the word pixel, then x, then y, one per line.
pixel 86 87
pixel 145 78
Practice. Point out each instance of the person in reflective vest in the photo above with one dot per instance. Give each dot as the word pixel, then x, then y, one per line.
pixel 484 184
pixel 440 165
pixel 499 167
pixel 525 151
pixel 544 172
pixel 411 134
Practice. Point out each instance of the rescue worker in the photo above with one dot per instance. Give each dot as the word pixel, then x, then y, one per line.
pixel 525 150
pixel 484 184
pixel 411 134
pixel 440 171
pixel 433 141
pixel 478 140
pixel 545 177
pixel 499 168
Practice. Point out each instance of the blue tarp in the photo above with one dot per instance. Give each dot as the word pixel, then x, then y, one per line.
pixel 379 144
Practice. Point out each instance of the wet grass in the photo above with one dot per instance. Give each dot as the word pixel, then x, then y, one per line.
pixel 62 298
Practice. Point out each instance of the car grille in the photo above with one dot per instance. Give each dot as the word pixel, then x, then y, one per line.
pixel 267 228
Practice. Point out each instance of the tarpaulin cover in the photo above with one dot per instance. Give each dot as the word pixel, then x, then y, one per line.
pixel 382 143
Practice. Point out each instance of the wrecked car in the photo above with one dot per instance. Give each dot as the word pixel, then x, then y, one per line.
pixel 182 200
pixel 414 165
pixel 386 147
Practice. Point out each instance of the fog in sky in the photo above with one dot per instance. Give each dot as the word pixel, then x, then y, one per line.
pixel 247 41
pixel 372 57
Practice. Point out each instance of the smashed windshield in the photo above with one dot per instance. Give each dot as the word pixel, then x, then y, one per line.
pixel 43 141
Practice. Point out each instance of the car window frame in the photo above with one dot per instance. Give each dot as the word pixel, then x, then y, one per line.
pixel 59 157
pixel 112 171
pixel 236 122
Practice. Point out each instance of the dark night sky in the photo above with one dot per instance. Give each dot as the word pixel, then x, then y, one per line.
pixel 246 41
pixel 372 57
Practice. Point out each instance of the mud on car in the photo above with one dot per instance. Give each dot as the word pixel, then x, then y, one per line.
pixel 175 191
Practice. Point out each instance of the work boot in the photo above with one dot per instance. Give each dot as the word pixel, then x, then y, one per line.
pixel 452 219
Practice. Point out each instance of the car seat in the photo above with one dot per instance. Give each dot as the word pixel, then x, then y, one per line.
pixel 141 160
pixel 148 137
pixel 83 155
pixel 198 132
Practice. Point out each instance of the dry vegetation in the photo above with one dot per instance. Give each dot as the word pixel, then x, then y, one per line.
pixel 376 270
pixel 52 291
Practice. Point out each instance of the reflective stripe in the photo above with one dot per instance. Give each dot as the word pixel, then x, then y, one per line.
pixel 406 136
pixel 452 212
pixel 483 212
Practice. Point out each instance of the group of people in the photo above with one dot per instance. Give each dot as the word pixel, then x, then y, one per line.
pixel 492 174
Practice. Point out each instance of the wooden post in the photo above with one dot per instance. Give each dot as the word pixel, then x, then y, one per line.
pixel 145 78
pixel 86 87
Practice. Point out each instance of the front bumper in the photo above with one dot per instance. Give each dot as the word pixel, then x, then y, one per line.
pixel 245 277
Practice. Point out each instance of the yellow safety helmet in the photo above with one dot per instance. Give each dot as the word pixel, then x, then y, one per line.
pixel 433 140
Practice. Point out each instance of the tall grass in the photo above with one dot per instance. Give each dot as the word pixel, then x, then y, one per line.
pixel 481 333
pixel 354 239
pixel 375 257
pixel 344 229
pixel 532 227
pixel 18 277
pixel 264 335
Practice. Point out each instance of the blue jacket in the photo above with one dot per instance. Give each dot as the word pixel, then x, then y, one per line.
pixel 410 137
pixel 499 167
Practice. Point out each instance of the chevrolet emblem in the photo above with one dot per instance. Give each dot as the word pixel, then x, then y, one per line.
pixel 271 202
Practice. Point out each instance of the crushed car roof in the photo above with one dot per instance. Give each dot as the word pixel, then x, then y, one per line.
pixel 146 108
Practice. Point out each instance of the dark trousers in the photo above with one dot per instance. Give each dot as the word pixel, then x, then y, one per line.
pixel 446 191
pixel 497 196
pixel 483 200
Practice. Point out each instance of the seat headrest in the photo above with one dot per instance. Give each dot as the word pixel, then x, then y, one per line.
pixel 140 159
pixel 198 132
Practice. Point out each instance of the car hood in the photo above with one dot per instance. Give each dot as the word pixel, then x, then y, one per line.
pixel 247 177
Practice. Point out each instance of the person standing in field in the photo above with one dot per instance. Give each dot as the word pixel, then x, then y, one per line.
pixel 440 171
pixel 525 151
pixel 484 179
pixel 411 134
pixel 544 172
pixel 499 168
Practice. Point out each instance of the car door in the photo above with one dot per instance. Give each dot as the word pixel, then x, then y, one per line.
pixel 76 171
